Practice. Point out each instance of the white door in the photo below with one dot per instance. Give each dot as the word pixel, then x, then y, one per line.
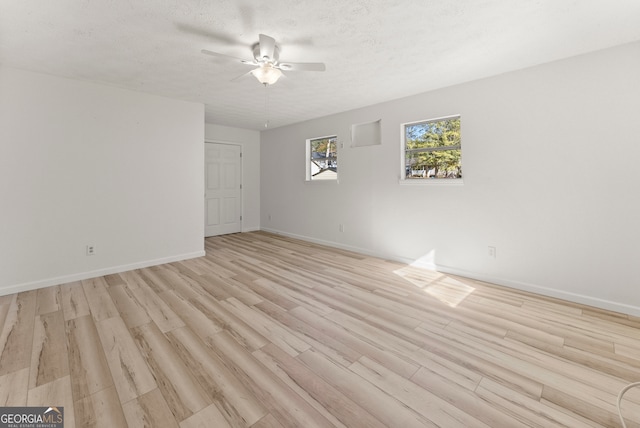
pixel 223 189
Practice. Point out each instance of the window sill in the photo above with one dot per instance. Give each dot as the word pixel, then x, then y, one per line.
pixel 432 182
pixel 325 182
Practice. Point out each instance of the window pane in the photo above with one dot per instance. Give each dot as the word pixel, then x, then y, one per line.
pixel 324 158
pixel 437 164
pixel 433 149
pixel 323 148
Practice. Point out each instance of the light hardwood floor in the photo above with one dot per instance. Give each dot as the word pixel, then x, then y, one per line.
pixel 267 331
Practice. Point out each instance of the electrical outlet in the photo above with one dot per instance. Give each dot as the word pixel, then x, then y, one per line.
pixel 91 250
pixel 341 227
pixel 492 252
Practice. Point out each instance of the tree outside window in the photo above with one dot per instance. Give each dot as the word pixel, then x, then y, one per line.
pixel 322 158
pixel 433 149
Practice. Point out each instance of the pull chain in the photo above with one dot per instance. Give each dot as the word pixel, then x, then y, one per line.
pixel 266 105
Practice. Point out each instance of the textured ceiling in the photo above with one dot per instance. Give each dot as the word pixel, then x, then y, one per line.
pixel 374 50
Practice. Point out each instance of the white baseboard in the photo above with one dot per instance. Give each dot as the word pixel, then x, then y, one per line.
pixel 545 291
pixel 518 285
pixel 333 244
pixel 96 273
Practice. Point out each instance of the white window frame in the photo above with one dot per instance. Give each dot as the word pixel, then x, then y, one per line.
pixel 308 161
pixel 422 182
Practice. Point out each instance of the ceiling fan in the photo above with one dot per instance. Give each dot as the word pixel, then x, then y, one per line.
pixel 266 57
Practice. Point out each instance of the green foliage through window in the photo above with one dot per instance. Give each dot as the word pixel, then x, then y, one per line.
pixel 433 149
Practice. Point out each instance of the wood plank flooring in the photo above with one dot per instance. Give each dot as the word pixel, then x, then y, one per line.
pixel 266 331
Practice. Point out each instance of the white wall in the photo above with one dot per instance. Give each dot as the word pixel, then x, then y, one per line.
pixel 82 163
pixel 250 142
pixel 550 158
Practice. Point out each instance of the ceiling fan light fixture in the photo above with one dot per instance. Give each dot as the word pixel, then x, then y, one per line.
pixel 267 74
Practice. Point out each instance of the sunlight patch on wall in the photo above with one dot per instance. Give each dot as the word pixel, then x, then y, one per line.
pixel 428 261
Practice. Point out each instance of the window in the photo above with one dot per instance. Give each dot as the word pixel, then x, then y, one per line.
pixel 322 158
pixel 432 149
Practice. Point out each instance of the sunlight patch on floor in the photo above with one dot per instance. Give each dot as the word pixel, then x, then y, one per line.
pixel 422 274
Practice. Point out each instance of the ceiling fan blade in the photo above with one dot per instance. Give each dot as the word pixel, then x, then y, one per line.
pixel 235 79
pixel 267 47
pixel 207 33
pixel 302 66
pixel 220 55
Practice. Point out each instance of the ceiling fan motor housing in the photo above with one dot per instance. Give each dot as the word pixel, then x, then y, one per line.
pixel 260 59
